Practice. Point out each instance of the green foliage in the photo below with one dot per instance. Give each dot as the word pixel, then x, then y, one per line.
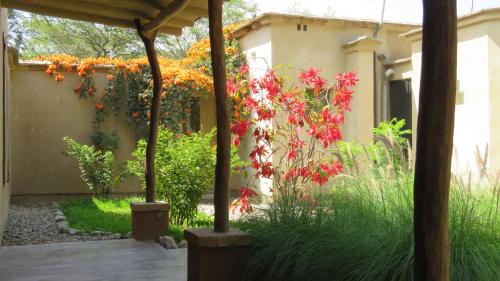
pixel 363 230
pixel 394 130
pixel 389 152
pixel 43 35
pixel 184 171
pixel 96 166
pixel 185 166
pixel 104 141
pixel 113 215
pixel 234 11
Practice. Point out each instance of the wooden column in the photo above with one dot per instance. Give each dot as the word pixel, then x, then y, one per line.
pixel 222 166
pixel 435 140
pixel 148 38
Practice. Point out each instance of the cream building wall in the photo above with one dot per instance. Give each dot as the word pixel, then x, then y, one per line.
pixel 4 153
pixel 478 65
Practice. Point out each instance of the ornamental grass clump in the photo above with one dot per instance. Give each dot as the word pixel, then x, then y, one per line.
pixel 360 227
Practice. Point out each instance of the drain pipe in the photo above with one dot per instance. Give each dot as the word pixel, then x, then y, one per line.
pixel 385 93
pixel 375 90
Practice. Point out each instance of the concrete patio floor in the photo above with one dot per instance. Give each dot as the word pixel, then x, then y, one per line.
pixel 93 260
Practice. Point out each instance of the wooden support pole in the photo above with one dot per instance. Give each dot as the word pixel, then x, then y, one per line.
pixel 435 140
pixel 148 38
pixel 222 166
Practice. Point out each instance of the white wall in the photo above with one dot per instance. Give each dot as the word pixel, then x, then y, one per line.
pixel 473 124
pixel 257 47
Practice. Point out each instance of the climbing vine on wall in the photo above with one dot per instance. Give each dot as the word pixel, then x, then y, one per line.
pixel 128 92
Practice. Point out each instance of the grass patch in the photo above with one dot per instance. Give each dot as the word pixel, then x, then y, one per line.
pixel 114 215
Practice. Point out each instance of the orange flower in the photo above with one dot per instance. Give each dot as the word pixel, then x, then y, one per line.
pixel 109 77
pixel 99 106
pixel 59 77
pixel 135 114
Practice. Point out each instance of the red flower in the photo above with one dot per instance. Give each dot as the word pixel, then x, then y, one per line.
pixel 231 87
pixel 243 201
pixel 266 171
pixel 244 69
pixel 240 128
pixel 292 154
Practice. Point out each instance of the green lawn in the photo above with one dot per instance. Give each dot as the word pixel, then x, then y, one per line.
pixel 113 215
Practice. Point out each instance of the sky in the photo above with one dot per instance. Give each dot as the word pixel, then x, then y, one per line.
pixel 409 11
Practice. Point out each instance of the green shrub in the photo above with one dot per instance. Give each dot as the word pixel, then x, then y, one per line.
pixel 394 130
pixel 388 153
pixel 96 166
pixel 184 170
pixel 185 167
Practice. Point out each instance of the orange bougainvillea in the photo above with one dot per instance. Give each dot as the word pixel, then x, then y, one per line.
pixel 129 84
pixel 173 71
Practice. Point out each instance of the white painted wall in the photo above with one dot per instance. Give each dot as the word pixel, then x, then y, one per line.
pixel 472 117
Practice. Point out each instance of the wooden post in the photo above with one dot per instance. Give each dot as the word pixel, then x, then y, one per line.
pixel 222 166
pixel 148 38
pixel 435 140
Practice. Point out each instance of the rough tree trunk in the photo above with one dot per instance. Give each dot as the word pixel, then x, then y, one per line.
pixel 149 39
pixel 435 140
pixel 222 167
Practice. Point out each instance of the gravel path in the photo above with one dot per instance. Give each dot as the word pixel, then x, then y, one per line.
pixel 37 225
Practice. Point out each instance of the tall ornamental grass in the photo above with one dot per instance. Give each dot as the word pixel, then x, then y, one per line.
pixel 361 226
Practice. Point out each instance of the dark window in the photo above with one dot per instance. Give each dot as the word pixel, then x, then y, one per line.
pixel 298 27
pixel 305 27
pixel 400 102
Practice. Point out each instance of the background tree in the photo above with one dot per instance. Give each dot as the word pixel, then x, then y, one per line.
pixel 36 35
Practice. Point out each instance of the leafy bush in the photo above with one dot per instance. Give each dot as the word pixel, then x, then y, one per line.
pixel 185 168
pixel 388 152
pixel 362 229
pixel 96 166
pixel 394 130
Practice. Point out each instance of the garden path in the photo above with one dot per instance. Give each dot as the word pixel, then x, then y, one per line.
pixel 112 260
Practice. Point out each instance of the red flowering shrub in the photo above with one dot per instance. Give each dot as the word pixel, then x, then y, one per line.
pixel 295 125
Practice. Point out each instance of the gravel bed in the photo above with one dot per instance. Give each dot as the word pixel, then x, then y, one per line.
pixel 36 224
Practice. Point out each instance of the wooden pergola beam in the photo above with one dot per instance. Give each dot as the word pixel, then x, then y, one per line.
pixel 435 140
pixel 222 166
pixel 166 14
pixel 172 27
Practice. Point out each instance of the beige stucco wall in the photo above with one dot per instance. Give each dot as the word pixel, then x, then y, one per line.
pixel 4 184
pixel 474 111
pixel 43 112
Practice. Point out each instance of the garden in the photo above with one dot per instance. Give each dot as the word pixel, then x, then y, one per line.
pixel 335 208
